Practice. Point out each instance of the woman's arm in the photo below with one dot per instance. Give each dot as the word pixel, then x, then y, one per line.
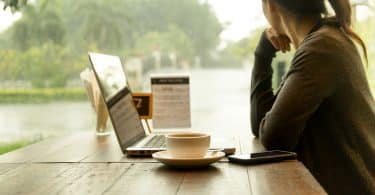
pixel 309 82
pixel 262 97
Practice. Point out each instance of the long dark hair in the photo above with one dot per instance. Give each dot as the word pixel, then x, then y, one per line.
pixel 342 10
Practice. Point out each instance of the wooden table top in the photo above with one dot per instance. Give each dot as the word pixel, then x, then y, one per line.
pixel 82 163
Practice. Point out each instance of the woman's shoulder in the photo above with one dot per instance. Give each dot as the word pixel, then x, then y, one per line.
pixel 321 50
pixel 328 39
pixel 328 45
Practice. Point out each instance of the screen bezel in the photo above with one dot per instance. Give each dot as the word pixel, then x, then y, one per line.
pixel 113 100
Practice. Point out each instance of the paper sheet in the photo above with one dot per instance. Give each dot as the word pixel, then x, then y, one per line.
pixel 171 101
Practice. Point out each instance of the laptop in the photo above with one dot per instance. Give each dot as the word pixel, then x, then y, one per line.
pixel 128 127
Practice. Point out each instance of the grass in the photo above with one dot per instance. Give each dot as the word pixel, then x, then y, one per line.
pixel 4 148
pixel 41 95
pixel 19 143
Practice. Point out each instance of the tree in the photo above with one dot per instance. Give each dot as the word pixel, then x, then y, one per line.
pixel 96 22
pixel 244 48
pixel 45 66
pixel 197 20
pixel 9 65
pixel 181 44
pixel 115 25
pixel 36 27
pixel 51 40
pixel 13 4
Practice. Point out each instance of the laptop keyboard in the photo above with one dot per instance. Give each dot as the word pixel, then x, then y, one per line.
pixel 157 141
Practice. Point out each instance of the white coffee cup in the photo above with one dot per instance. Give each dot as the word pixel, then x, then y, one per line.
pixel 188 145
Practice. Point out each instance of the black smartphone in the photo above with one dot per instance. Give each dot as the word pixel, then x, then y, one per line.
pixel 262 157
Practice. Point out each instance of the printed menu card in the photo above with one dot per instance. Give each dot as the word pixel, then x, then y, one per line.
pixel 171 101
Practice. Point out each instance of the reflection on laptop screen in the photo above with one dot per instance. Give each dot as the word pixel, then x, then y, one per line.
pixel 110 73
pixel 118 98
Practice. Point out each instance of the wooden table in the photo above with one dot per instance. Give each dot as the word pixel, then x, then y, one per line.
pixel 85 164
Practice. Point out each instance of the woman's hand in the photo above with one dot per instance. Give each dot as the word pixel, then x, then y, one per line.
pixel 279 41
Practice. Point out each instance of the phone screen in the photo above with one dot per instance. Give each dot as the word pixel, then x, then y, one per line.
pixel 242 156
pixel 269 153
pixel 262 157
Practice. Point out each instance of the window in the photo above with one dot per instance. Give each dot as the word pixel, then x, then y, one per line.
pixel 44 45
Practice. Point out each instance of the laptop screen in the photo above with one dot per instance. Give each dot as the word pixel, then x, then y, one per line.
pixel 113 85
pixel 110 74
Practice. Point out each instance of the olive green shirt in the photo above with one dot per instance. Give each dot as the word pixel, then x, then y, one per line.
pixel 323 110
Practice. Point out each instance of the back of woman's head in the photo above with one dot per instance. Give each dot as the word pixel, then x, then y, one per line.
pixel 342 8
pixel 303 7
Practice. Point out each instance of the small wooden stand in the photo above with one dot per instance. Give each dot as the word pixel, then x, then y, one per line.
pixel 143 103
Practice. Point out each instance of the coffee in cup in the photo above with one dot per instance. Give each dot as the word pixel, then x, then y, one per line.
pixel 188 145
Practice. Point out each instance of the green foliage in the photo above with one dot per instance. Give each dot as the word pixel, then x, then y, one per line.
pixel 118 25
pixel 181 44
pixel 245 48
pixel 366 30
pixel 44 66
pixel 37 27
pixel 9 65
pixel 49 44
pixel 20 143
pixel 41 62
pixel 196 20
pixel 96 22
pixel 4 148
pixel 14 5
pixel 41 95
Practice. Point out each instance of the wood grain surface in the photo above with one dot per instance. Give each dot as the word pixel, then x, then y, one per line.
pixel 84 164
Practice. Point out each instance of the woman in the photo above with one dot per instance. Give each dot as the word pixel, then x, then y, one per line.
pixel 323 109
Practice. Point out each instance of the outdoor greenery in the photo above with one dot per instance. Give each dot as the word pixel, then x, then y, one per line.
pixel 48 46
pixel 13 4
pixel 366 29
pixel 244 49
pixel 41 95
pixel 7 147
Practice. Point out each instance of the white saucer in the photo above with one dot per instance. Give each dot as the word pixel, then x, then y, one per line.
pixel 209 158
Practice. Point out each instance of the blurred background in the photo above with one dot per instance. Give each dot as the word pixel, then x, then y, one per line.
pixel 44 45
